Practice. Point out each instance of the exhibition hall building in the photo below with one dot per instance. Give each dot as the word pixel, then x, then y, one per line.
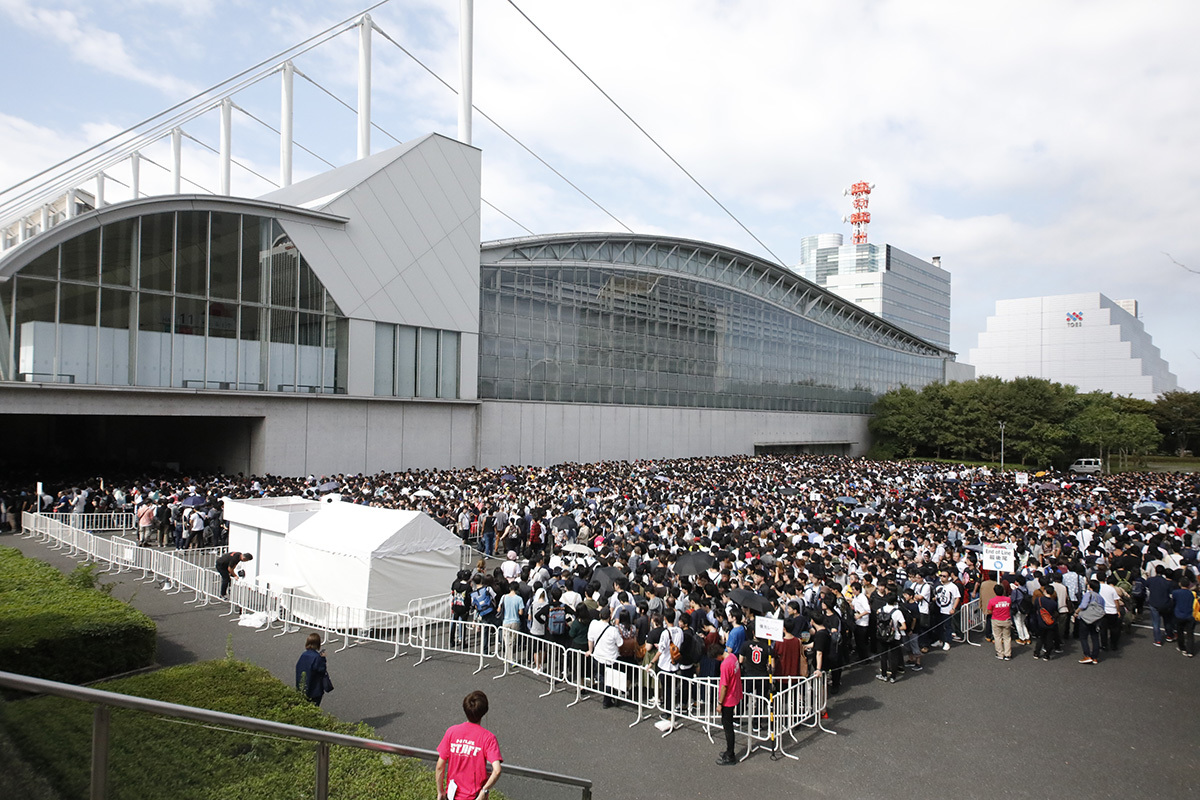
pixel 354 322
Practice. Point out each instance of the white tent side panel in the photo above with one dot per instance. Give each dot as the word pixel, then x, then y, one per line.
pixel 411 576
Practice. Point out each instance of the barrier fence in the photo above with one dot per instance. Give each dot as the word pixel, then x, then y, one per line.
pixel 971 618
pixel 94 522
pixel 771 709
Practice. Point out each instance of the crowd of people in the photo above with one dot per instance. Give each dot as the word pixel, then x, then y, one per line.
pixel 861 559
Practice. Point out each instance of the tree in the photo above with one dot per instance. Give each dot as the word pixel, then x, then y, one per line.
pixel 1177 415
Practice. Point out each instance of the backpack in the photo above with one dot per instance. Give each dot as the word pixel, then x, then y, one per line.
pixel 1046 616
pixel 556 620
pixel 1123 581
pixel 676 653
pixel 692 650
pixel 482 600
pixel 1022 600
pixel 1195 607
pixel 885 626
pixel 457 598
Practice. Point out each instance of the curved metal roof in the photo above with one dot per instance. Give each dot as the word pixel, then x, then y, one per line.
pixel 736 269
pixel 17 258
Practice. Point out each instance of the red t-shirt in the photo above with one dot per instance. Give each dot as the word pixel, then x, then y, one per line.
pixel 469 750
pixel 1000 608
pixel 788 654
pixel 731 676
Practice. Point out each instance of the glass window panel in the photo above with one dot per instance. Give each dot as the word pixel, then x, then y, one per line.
pixel 118 249
pixel 44 266
pixel 222 320
pixel 34 330
pixel 285 268
pixel 223 255
pixel 154 340
pixel 251 347
pixel 190 324
pixel 157 251
pixel 81 257
pixel 406 361
pixel 256 242
pixel 428 364
pixel 337 339
pixel 308 352
pixel 448 369
pixel 6 297
pixel 311 291
pixel 282 357
pixel 385 358
pixel 191 260
pixel 77 305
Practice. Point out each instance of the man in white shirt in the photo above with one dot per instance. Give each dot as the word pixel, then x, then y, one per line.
pixel 671 635
pixel 860 604
pixel 604 644
pixel 511 569
pixel 1110 626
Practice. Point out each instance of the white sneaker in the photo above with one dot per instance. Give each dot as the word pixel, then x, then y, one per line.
pixel 946 646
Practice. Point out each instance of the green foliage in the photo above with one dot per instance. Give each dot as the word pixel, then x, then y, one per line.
pixel 1177 415
pixel 1046 424
pixel 84 577
pixel 155 757
pixel 53 627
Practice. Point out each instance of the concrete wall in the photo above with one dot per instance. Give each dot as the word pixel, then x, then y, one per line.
pixel 515 432
pixel 324 434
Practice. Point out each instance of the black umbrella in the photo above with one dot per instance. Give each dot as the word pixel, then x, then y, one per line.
pixel 607 577
pixel 693 563
pixel 329 486
pixel 788 491
pixel 193 501
pixel 847 500
pixel 565 522
pixel 751 600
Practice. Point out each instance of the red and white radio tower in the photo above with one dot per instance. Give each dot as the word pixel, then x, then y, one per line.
pixel 861 192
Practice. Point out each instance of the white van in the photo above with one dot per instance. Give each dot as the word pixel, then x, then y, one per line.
pixel 1087 466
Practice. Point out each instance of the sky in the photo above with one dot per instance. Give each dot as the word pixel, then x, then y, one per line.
pixel 1038 148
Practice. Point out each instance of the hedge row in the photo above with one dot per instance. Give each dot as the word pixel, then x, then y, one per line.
pixel 154 757
pixel 53 629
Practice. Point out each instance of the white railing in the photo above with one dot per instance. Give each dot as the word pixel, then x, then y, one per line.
pixel 106 521
pixel 970 618
pixel 772 709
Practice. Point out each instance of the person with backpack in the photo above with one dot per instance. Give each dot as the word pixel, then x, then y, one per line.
pixel 556 618
pixel 1022 606
pixel 669 649
pixel 1044 622
pixel 1090 614
pixel 889 631
pixel 1110 626
pixel 1187 613
pixel 483 601
pixel 460 604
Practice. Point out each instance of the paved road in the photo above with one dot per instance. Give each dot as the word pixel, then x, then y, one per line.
pixel 968 726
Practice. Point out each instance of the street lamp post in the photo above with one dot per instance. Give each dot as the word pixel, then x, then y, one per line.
pixel 1002 445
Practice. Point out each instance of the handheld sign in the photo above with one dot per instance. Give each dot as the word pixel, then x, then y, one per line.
pixel 1022 479
pixel 1000 557
pixel 769 629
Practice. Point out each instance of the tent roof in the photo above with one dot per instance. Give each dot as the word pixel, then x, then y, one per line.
pixel 365 532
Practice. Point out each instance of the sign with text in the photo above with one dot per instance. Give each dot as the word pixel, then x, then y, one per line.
pixel 1022 479
pixel 769 629
pixel 1000 557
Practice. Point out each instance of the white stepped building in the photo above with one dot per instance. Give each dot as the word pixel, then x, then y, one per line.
pixel 1086 340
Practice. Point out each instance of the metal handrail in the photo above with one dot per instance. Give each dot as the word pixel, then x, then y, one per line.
pixel 105 700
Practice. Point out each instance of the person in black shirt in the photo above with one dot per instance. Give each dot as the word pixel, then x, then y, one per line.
pixel 227 566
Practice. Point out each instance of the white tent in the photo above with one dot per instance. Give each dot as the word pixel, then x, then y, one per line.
pixel 362 557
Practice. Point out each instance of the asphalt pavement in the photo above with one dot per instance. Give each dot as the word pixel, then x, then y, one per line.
pixel 967 726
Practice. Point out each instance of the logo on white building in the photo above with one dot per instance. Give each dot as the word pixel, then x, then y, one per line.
pixel 1074 319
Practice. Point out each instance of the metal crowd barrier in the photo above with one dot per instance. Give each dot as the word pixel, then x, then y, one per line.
pixel 768 714
pixel 533 654
pixel 971 618
pixel 105 521
pixel 436 605
pixel 455 637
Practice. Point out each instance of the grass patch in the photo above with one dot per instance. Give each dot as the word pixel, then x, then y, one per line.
pixel 156 757
pixel 61 628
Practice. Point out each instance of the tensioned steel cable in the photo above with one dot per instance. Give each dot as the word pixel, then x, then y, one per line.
pixel 644 132
pixel 273 129
pixel 181 177
pixel 506 132
pixel 398 141
pixel 198 95
pixel 232 161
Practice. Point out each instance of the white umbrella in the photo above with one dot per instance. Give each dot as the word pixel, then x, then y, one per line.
pixel 422 493
pixel 581 549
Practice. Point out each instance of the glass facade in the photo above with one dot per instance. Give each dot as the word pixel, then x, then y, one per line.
pixel 416 362
pixel 669 325
pixel 187 299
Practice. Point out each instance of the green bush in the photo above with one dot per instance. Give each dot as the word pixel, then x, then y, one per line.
pixel 157 757
pixel 52 627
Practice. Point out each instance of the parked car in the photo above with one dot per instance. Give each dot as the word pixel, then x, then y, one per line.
pixel 1087 466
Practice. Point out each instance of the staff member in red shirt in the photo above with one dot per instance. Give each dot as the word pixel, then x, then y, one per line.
pixel 464 754
pixel 729 694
